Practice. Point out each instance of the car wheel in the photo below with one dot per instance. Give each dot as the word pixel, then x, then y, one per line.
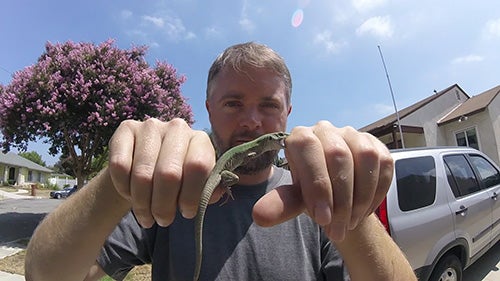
pixel 449 268
pixel 58 196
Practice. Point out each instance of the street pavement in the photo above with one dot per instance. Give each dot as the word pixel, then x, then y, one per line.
pixel 8 249
pixel 19 215
pixel 23 215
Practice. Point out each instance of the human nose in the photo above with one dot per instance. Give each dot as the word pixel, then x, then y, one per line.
pixel 251 119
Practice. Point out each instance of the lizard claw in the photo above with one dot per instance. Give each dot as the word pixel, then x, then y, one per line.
pixel 229 195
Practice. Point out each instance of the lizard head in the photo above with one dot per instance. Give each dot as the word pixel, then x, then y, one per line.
pixel 267 142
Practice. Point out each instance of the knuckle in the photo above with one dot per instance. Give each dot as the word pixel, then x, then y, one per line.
pixel 324 124
pixel 129 123
pixel 338 153
pixel 349 130
pixel 172 172
pixel 143 173
pixel 301 137
pixel 198 166
pixel 387 162
pixel 117 164
pixel 367 153
pixel 178 123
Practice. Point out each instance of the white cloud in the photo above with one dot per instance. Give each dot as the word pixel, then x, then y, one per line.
pixel 366 5
pixel 126 14
pixel 325 40
pixel 212 32
pixel 376 26
pixel 245 22
pixel 492 29
pixel 170 25
pixel 467 59
pixel 383 109
pixel 190 35
pixel 154 20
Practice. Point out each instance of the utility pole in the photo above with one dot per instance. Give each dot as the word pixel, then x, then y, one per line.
pixel 393 100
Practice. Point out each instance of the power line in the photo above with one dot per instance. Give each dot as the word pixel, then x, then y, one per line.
pixel 4 69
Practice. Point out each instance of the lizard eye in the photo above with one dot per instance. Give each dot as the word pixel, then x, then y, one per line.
pixel 252 154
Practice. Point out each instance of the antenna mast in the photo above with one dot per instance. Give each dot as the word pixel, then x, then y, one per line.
pixel 393 100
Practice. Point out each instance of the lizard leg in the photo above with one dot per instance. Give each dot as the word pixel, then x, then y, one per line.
pixel 228 179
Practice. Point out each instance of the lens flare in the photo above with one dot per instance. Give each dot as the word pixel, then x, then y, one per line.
pixel 297 18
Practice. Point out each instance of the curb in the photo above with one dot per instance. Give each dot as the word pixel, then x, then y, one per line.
pixel 12 195
pixel 6 251
pixel 5 276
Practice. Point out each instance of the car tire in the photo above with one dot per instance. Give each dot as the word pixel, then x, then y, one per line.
pixel 58 196
pixel 449 268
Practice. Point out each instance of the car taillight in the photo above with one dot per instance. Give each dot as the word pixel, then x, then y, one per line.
pixel 383 216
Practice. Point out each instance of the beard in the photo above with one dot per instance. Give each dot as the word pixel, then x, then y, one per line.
pixel 253 165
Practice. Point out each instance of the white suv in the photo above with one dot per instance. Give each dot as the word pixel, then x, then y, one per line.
pixel 442 209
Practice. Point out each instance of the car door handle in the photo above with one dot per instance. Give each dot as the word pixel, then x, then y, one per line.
pixel 462 211
pixel 495 196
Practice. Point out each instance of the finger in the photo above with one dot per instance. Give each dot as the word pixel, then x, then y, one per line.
pixel 200 160
pixel 168 172
pixel 147 147
pixel 278 205
pixel 121 147
pixel 341 175
pixel 366 175
pixel 386 171
pixel 309 170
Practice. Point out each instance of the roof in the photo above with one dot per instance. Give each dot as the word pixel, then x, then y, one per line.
pixel 391 119
pixel 13 159
pixel 471 106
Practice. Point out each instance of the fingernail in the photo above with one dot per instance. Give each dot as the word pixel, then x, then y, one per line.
pixel 322 213
pixel 188 213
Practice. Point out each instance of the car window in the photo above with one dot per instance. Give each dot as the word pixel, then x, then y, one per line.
pixel 461 175
pixel 416 182
pixel 488 173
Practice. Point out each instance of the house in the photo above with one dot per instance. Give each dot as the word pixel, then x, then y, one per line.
pixel 447 118
pixel 17 170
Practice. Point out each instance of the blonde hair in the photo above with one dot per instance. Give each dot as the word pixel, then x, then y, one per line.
pixel 254 55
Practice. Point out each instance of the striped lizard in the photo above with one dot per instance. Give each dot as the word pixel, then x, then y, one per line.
pixel 222 174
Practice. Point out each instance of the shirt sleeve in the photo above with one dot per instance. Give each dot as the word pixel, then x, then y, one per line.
pixel 333 266
pixel 127 246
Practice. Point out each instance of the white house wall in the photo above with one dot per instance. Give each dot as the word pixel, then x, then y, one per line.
pixel 428 115
pixel 494 112
pixel 484 129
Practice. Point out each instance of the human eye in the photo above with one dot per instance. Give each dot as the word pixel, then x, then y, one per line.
pixel 271 106
pixel 232 103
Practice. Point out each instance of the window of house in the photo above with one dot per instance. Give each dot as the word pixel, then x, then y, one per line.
pixel 468 138
pixel 30 176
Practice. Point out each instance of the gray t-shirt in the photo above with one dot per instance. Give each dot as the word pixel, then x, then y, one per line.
pixel 234 248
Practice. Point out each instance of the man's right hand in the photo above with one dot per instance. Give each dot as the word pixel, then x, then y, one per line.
pixel 159 167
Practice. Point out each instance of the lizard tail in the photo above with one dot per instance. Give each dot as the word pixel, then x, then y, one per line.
pixel 199 235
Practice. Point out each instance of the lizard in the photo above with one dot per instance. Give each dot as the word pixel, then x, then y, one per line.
pixel 222 174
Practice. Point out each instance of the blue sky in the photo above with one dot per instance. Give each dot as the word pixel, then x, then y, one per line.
pixel 330 46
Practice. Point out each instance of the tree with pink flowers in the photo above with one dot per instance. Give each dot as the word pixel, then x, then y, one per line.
pixel 76 95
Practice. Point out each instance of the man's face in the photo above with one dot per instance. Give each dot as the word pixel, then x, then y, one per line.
pixel 245 105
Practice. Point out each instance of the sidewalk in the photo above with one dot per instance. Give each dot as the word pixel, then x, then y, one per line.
pixel 21 194
pixel 5 251
pixel 4 276
pixel 8 250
